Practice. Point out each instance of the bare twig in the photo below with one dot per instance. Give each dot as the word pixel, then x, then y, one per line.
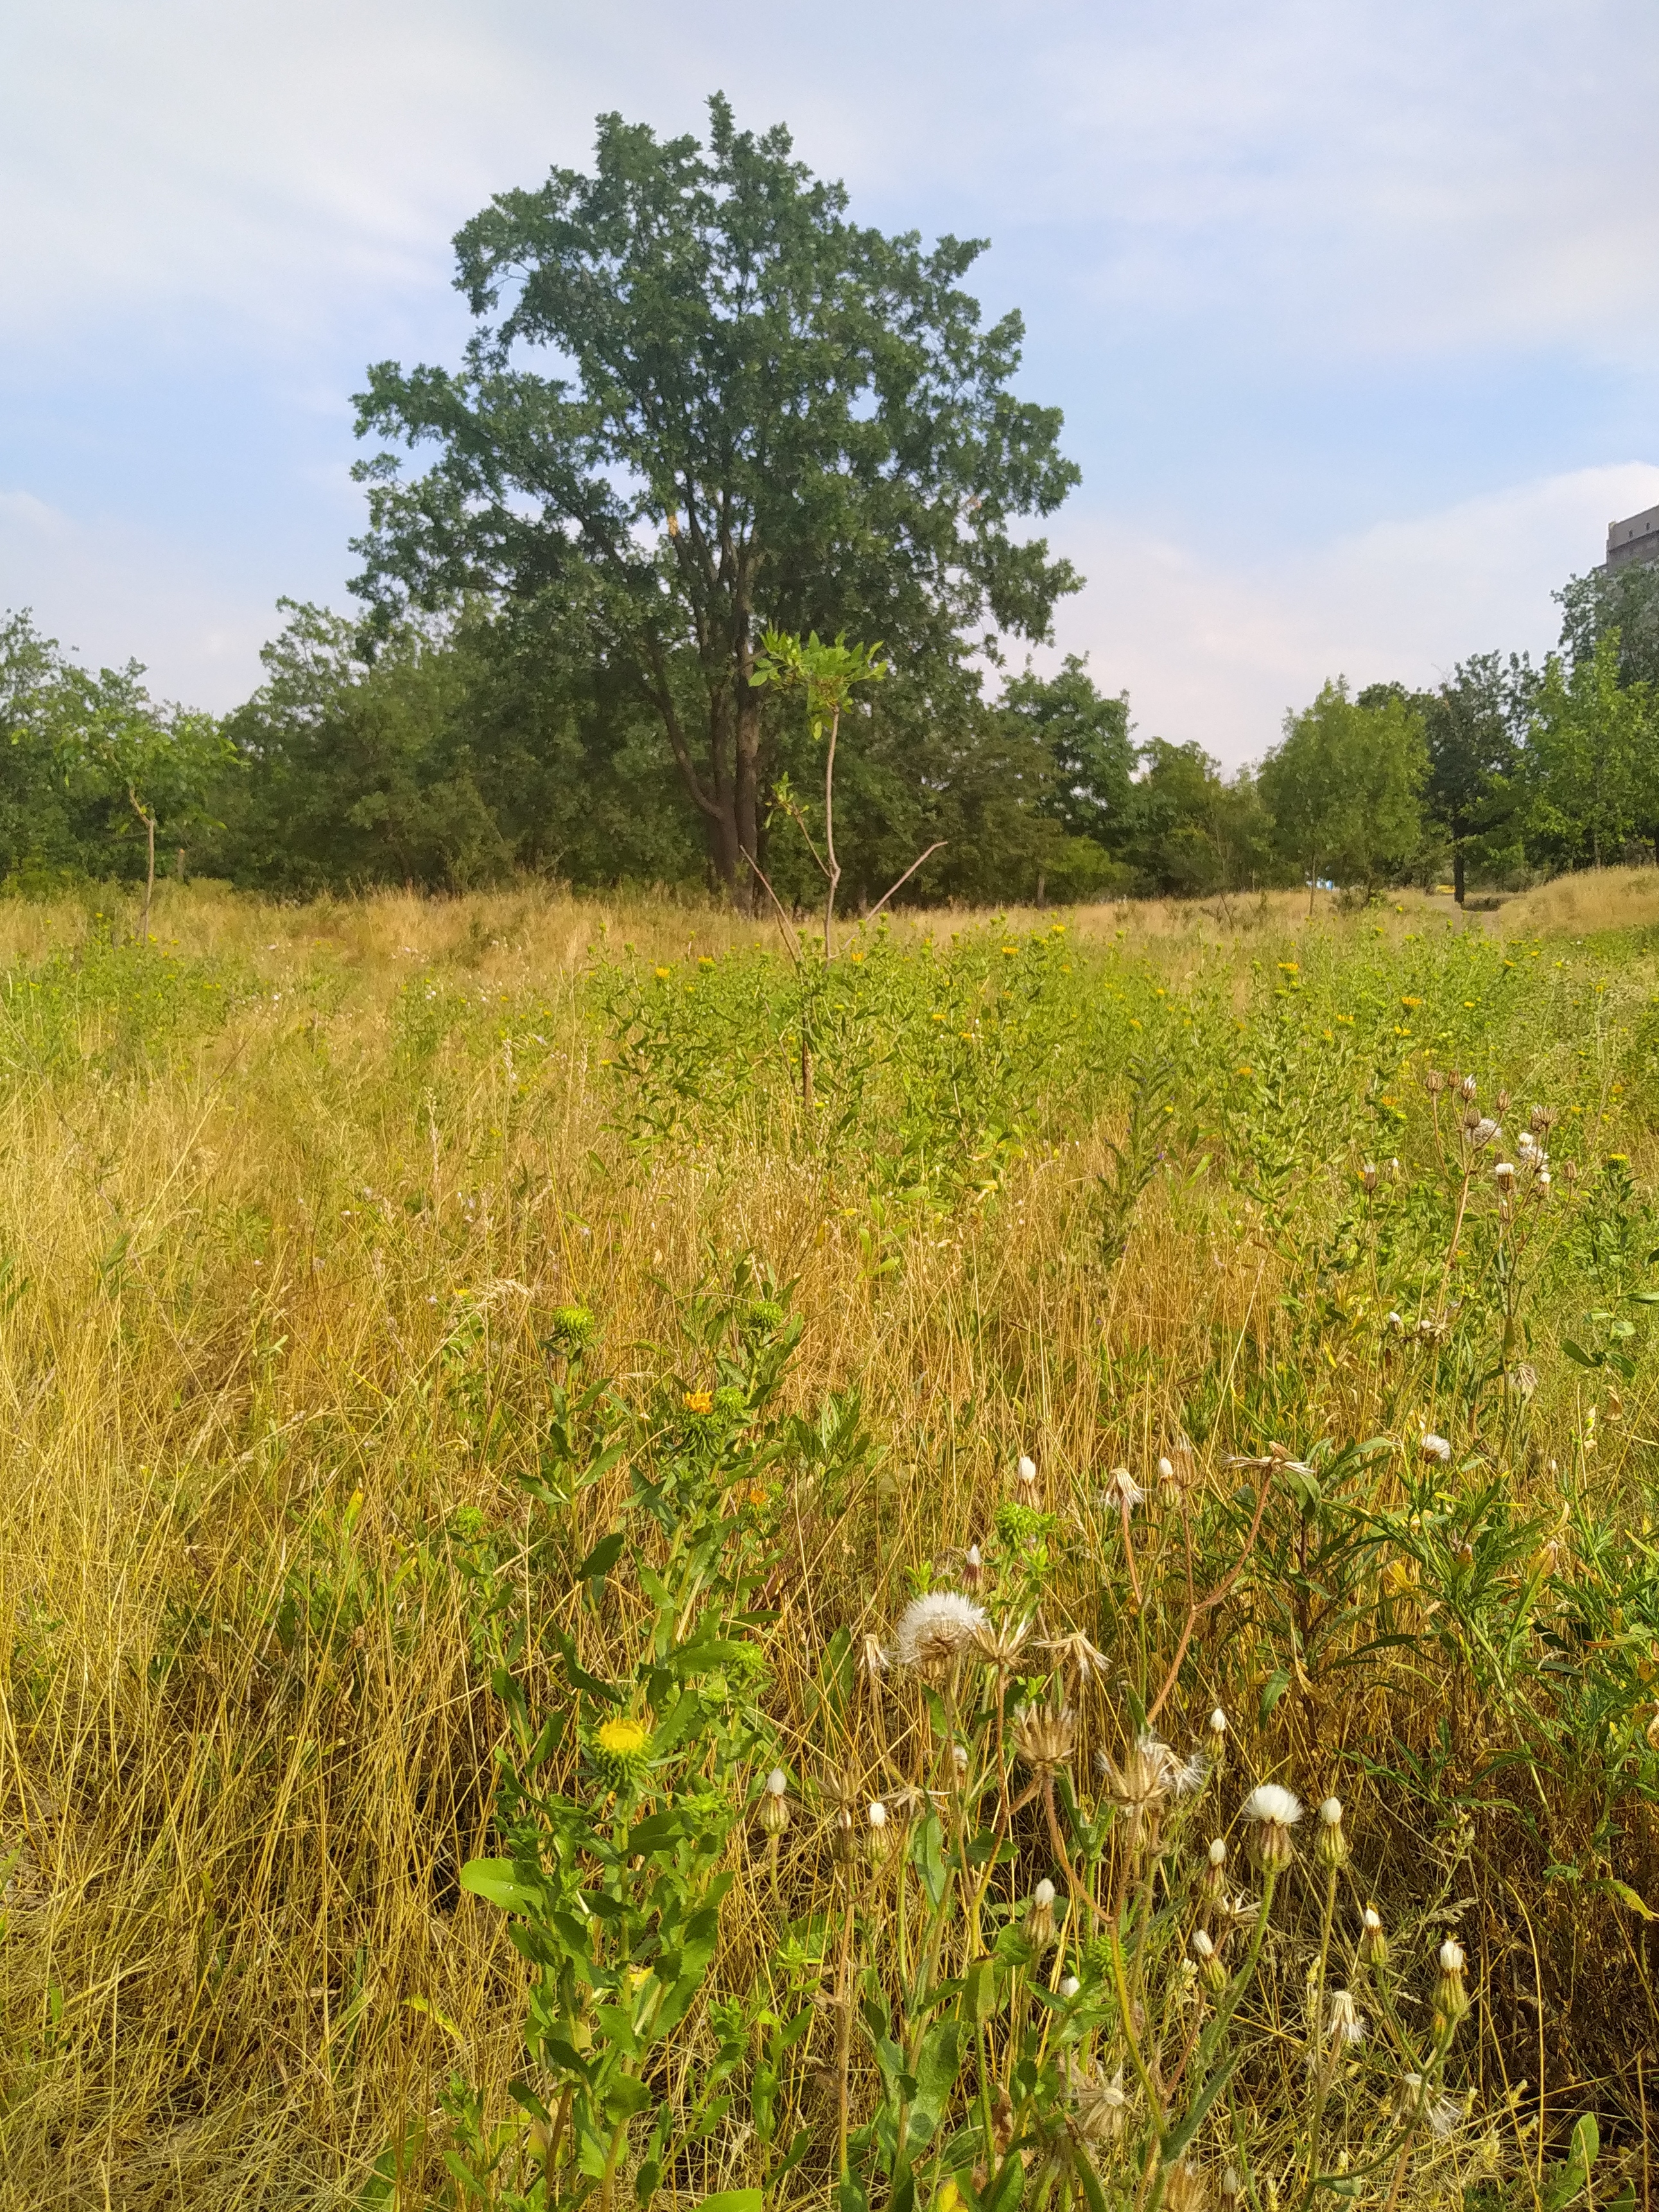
pixel 905 878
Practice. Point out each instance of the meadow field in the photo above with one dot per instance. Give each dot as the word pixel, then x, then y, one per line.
pixel 1016 1571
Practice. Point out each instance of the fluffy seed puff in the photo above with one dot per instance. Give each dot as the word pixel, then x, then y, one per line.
pixel 934 1628
pixel 1275 1812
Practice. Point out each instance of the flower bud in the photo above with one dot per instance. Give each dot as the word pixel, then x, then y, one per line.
pixel 773 1806
pixel 1368 1177
pixel 1451 1995
pixel 1212 1972
pixel 1040 1917
pixel 1373 1943
pixel 973 1569
pixel 1331 1846
pixel 1215 1737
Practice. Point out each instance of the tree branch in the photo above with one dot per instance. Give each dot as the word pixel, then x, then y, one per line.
pixel 906 877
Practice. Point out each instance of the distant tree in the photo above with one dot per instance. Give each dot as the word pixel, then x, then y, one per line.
pixel 92 768
pixel 1625 599
pixel 1343 788
pixel 1192 832
pixel 1475 725
pixel 1592 760
pixel 763 414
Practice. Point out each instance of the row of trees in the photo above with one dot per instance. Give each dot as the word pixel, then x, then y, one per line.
pixel 701 404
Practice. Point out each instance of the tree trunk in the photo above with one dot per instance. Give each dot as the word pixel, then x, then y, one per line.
pixel 1457 873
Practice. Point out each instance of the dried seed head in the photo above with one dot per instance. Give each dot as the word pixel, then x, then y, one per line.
pixel 1483 1130
pixel 1040 1917
pixel 1435 1446
pixel 1368 1177
pixel 1101 2109
pixel 1000 1647
pixel 1433 1081
pixel 1468 1086
pixel 1027 1471
pixel 973 1568
pixel 1215 1737
pixel 1210 1971
pixel 1122 1491
pixel 1077 1652
pixel 1044 1739
pixel 1141 1786
pixel 1345 2025
pixel 1503 1174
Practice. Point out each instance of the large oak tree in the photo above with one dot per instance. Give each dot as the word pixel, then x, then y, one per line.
pixel 699 402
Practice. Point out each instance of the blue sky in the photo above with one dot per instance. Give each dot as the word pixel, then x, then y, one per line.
pixel 1353 307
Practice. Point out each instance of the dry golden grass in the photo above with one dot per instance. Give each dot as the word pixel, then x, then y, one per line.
pixel 236 1958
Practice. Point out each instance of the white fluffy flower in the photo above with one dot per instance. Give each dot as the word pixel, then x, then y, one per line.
pixel 1069 1987
pixel 935 1628
pixel 1451 1957
pixel 1043 1893
pixel 777 1783
pixel 1331 1812
pixel 1435 1446
pixel 1027 1469
pixel 1273 1806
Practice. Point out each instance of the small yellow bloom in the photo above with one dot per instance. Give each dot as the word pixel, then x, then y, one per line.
pixel 705 962
pixel 662 974
pixel 1411 1002
pixel 698 1401
pixel 1289 967
pixel 621 1736
pixel 1246 1069
pixel 855 958
pixel 1011 952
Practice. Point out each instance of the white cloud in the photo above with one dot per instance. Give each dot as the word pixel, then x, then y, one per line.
pixel 1219 654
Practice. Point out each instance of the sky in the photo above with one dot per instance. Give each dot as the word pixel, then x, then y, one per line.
pixel 1351 305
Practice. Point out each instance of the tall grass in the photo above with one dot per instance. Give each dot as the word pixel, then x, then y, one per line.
pixel 299 1487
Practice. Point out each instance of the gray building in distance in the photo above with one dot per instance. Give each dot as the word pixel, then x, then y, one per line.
pixel 1637 538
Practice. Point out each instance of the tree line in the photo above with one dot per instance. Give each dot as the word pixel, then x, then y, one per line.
pixel 701 406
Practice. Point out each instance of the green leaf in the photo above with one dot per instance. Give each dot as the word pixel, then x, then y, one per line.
pixel 937 2065
pixel 602 1557
pixel 498 1882
pixel 731 2200
pixel 1625 1895
pixel 1576 1352
pixel 1273 1689
pixel 979 1989
pixel 625 2097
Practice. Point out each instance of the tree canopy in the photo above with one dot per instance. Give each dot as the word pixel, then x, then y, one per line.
pixel 704 402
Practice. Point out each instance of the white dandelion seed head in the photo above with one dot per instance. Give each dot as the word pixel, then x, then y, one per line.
pixel 1027 1469
pixel 1273 1806
pixel 1217 1723
pixel 1069 1987
pixel 777 1783
pixel 1217 1852
pixel 1346 2025
pixel 1504 1171
pixel 878 1813
pixel 1436 1447
pixel 1043 1895
pixel 959 1757
pixel 1331 1812
pixel 936 1627
pixel 1166 1470
pixel 1371 1921
pixel 1202 1945
pixel 1485 1131
pixel 1451 1956
pixel 974 1558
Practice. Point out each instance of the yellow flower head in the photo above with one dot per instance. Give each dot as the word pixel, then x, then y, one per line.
pixel 662 974
pixel 1411 1002
pixel 1289 967
pixel 621 1736
pixel 698 1401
